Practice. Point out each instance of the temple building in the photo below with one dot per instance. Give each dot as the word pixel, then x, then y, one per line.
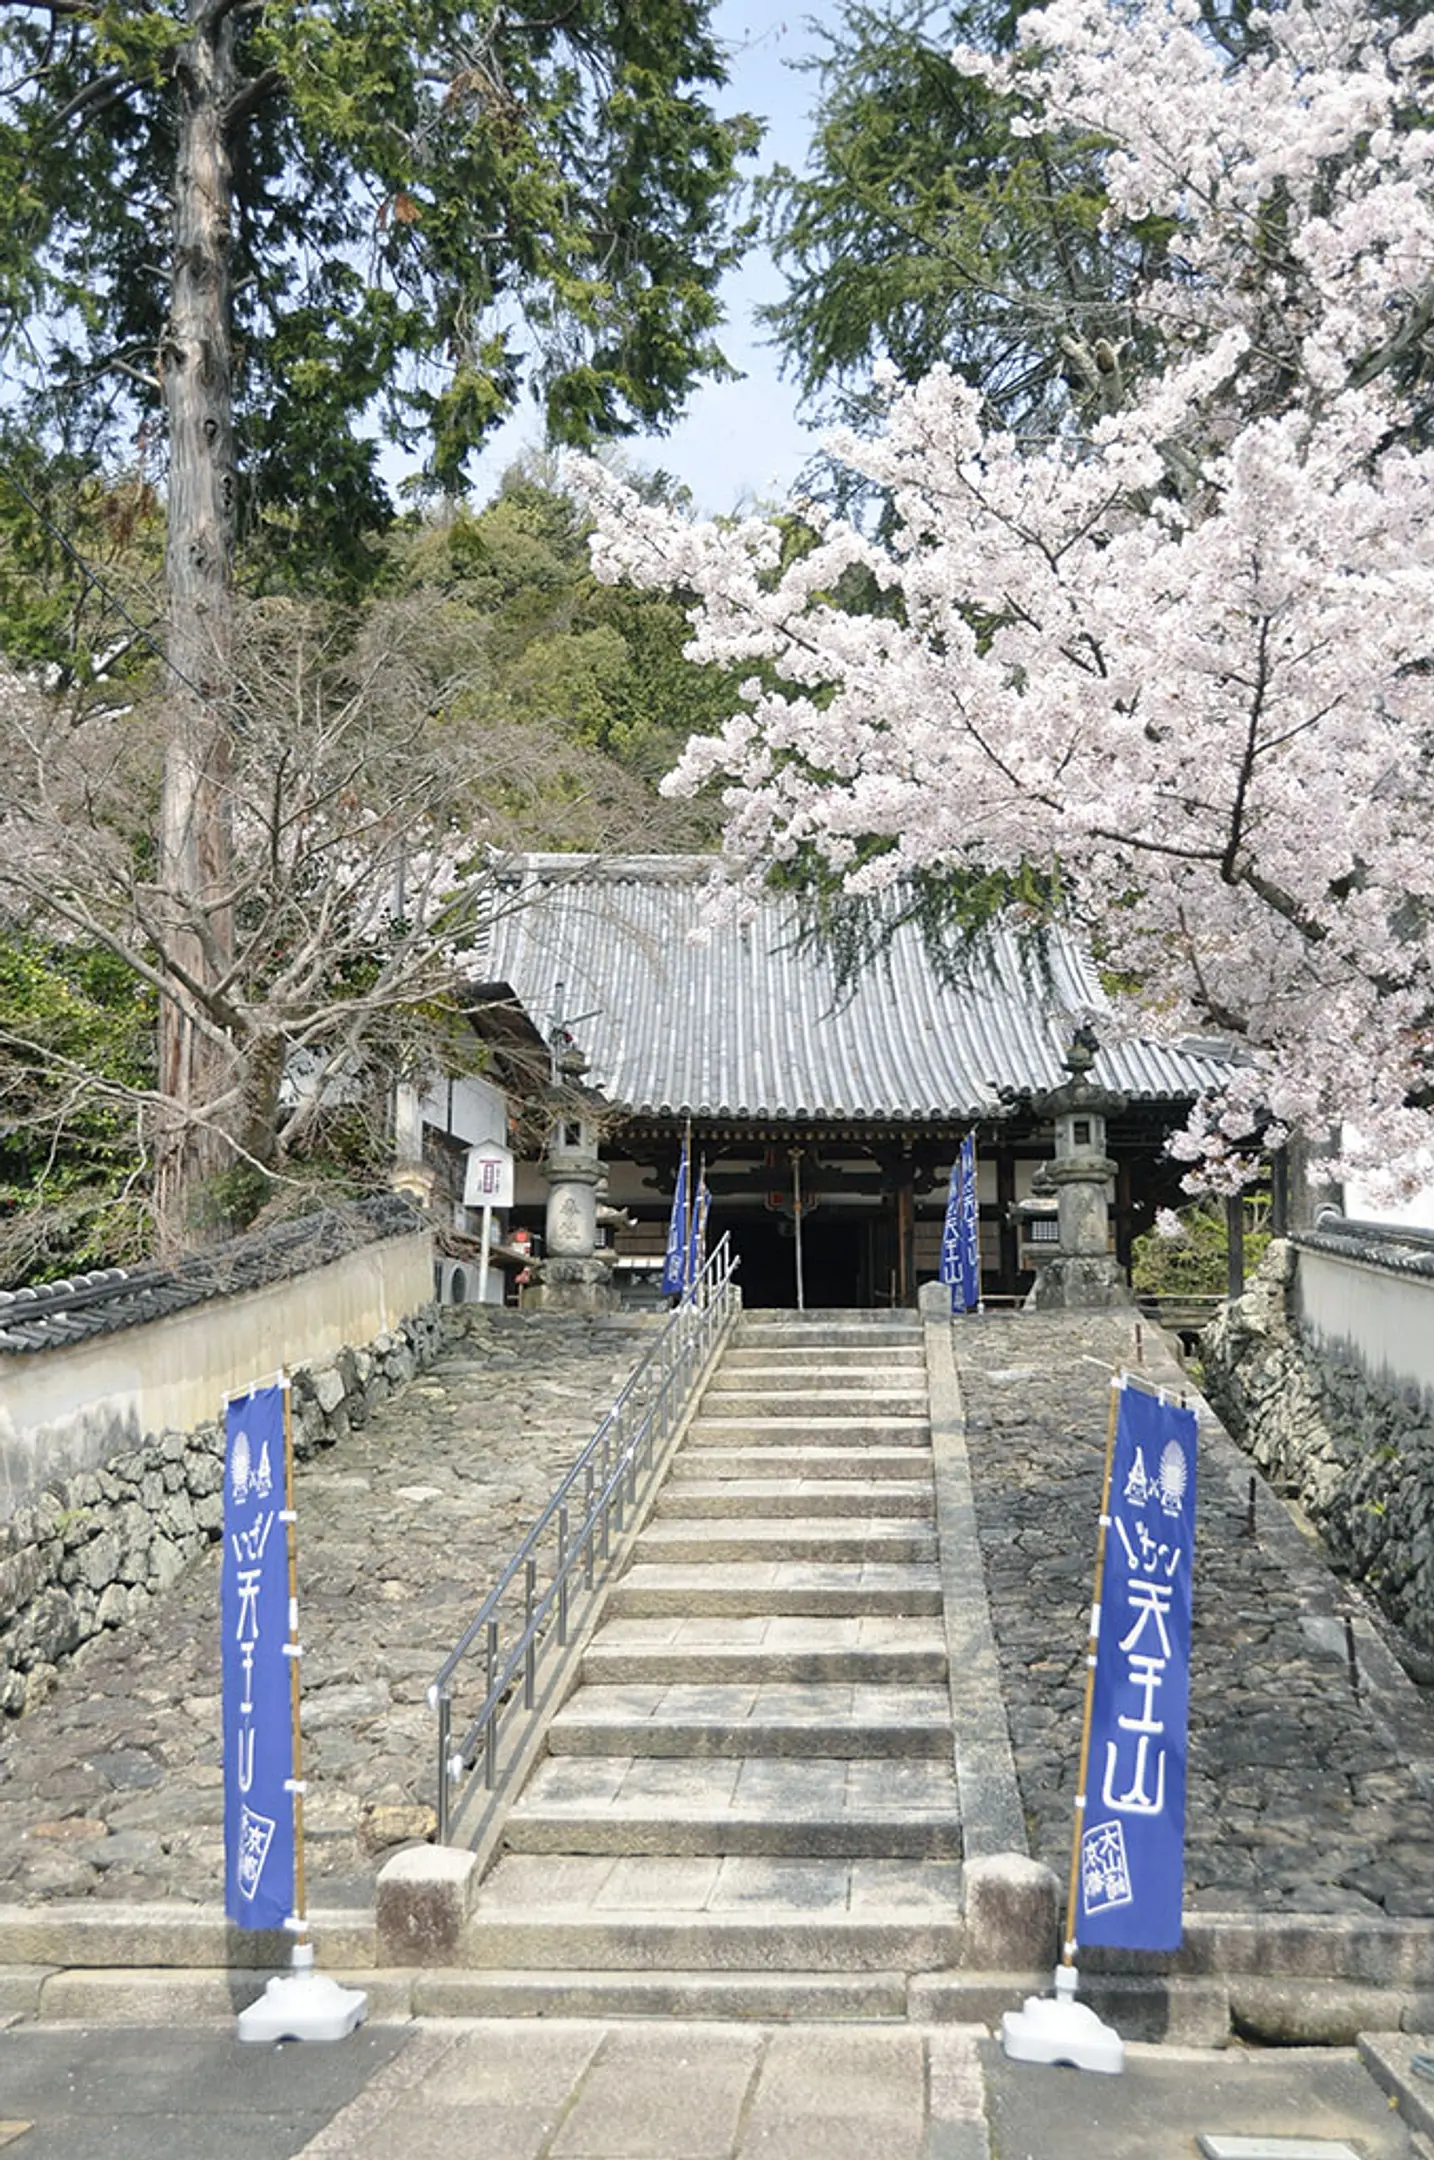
pixel 827 1118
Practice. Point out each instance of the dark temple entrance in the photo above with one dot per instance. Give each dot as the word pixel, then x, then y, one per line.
pixel 836 1261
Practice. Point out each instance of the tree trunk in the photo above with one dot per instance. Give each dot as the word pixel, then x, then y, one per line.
pixel 196 1065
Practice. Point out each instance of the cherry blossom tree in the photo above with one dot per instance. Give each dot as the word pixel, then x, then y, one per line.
pixel 1180 646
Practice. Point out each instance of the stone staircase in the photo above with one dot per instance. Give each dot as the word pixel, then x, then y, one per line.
pixel 748 1806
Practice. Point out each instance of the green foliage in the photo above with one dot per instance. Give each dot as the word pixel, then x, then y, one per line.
pixel 80 562
pixel 76 1036
pixel 1197 1263
pixel 954 910
pixel 436 204
pixel 547 644
pixel 925 228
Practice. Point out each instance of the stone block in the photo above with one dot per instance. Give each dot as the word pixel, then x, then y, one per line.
pixel 329 1389
pixel 424 1897
pixel 1279 2012
pixel 1011 1913
pixel 98 1934
pixel 160 1996
pixel 1158 2009
pixel 20 1987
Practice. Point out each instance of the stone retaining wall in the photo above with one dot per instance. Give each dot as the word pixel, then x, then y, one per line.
pixel 91 1549
pixel 1355 1451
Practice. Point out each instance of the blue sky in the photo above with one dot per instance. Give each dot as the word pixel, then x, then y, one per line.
pixel 740 442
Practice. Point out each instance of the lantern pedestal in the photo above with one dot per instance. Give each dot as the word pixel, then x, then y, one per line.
pixel 1082 1275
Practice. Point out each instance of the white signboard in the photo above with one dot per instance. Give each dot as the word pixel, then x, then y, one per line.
pixel 488 1181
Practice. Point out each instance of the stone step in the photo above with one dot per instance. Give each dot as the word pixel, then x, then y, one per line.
pixel 905 1464
pixel 729 1719
pixel 676 1541
pixel 814 1808
pixel 779 1996
pixel 795 1587
pixel 613 1661
pixel 760 1939
pixel 903 1368
pixel 794 1341
pixel 795 1499
pixel 828 1430
pixel 822 1371
pixel 758 1342
pixel 660 1830
pixel 813 1403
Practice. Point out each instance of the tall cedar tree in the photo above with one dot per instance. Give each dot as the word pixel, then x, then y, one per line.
pixel 269 234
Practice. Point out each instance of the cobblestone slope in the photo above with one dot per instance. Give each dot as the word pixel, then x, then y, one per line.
pixel 1303 1795
pixel 112 1788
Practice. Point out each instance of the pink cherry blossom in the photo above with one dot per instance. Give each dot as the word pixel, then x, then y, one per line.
pixel 1185 649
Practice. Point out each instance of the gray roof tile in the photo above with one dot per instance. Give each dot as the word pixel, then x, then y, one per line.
pixel 741 1021
pixel 48 1316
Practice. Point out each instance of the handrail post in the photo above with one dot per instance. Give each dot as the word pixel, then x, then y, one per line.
pixel 530 1654
pixel 562 1574
pixel 490 1738
pixel 445 1742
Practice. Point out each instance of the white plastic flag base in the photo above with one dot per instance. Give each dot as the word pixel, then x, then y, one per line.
pixel 303 2005
pixel 1063 2031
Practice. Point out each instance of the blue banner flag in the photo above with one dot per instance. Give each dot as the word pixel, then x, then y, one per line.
pixel 969 1250
pixel 1132 1837
pixel 258 1705
pixel 675 1263
pixel 961 1233
pixel 697 1235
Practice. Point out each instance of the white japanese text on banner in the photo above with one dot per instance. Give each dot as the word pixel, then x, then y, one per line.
pixel 258 1705
pixel 1133 1835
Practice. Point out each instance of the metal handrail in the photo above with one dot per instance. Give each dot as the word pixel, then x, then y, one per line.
pixel 614 1471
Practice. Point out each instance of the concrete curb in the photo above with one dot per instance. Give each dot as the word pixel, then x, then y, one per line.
pixel 1389 2059
pixel 993 1821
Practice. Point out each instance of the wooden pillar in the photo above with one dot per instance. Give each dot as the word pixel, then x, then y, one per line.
pixel 1009 1236
pixel 905 1233
pixel 1124 1215
pixel 1235 1233
pixel 1280 1193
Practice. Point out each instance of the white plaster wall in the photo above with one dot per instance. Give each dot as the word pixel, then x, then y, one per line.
pixel 65 1410
pixel 470 1109
pixel 1382 1320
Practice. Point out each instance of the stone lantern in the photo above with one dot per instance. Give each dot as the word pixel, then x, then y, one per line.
pixel 1081 1274
pixel 573 1275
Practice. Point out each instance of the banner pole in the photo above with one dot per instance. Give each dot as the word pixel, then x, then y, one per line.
pixel 300 2004
pixel 487 1238
pixel 1060 2029
pixel 1068 1945
pixel 291 1528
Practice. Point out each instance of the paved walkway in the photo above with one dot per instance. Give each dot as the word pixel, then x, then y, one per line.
pixel 638 2090
pixel 112 1789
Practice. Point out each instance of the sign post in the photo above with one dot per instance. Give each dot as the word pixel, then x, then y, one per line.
pixel 1127 1849
pixel 263 1782
pixel 487 1184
